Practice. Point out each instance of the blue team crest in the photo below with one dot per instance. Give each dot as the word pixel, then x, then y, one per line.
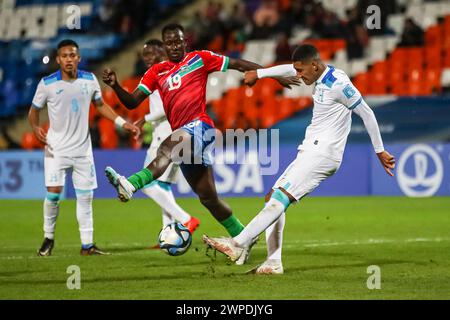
pixel 349 91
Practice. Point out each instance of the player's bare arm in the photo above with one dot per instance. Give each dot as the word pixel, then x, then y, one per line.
pixel 129 100
pixel 109 114
pixel 248 66
pixel 33 119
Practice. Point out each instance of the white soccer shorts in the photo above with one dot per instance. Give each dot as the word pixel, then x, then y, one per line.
pixel 83 172
pixel 160 133
pixel 305 173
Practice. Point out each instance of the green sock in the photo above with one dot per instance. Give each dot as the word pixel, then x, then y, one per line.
pixel 141 178
pixel 233 225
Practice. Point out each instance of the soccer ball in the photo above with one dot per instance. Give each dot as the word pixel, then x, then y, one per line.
pixel 175 239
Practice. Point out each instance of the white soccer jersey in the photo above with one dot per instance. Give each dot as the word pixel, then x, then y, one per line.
pixel 334 99
pixel 68 105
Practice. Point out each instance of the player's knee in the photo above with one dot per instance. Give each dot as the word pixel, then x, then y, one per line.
pixel 268 195
pixel 281 197
pixel 84 195
pixel 53 196
pixel 209 201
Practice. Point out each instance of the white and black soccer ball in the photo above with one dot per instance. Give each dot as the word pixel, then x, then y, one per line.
pixel 175 239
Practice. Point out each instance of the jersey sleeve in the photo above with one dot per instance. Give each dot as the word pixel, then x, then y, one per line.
pixel 348 95
pixel 148 81
pixel 97 92
pixel 213 61
pixel 40 96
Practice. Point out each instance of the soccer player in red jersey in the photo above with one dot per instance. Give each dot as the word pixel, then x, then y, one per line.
pixel 181 82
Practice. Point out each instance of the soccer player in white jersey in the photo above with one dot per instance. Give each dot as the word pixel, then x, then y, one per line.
pixel 68 94
pixel 319 156
pixel 160 189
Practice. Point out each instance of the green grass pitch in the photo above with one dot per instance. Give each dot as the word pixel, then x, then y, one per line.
pixel 329 244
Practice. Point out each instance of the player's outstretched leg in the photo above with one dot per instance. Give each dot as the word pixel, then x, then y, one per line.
pixel 274 242
pixel 126 187
pixel 234 247
pixel 201 180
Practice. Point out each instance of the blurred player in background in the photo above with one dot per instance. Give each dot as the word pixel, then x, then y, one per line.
pixel 68 94
pixel 319 156
pixel 181 82
pixel 160 190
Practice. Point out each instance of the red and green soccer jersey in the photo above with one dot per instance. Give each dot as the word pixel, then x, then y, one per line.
pixel 182 85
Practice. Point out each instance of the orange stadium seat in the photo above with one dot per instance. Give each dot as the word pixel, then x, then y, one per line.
pixel 414 58
pixel 433 56
pixel 378 78
pixel 269 114
pixel 285 108
pixel 110 97
pixel 433 80
pixel 433 35
pixel 446 61
pixel 361 82
pixel 130 84
pixel 108 135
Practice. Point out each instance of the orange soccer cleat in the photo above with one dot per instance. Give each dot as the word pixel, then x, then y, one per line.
pixel 192 224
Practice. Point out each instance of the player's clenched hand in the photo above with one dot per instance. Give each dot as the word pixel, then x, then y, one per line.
pixel 388 162
pixel 131 128
pixel 288 82
pixel 250 78
pixel 40 134
pixel 109 77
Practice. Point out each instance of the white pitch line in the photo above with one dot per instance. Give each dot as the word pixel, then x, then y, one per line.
pixel 329 243
pixel 289 244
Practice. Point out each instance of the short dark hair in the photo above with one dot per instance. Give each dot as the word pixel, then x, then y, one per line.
pixel 67 42
pixel 305 52
pixel 154 42
pixel 171 27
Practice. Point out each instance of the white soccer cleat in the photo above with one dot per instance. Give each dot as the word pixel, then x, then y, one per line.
pixel 268 267
pixel 224 245
pixel 123 187
pixel 246 254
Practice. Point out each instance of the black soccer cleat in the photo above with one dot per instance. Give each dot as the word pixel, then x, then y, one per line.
pixel 46 248
pixel 93 251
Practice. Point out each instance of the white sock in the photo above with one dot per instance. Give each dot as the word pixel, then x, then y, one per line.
pixel 84 216
pixel 274 238
pixel 166 200
pixel 166 218
pixel 51 211
pixel 271 212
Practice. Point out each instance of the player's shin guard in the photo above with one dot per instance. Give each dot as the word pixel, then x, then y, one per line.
pixel 51 211
pixel 84 216
pixel 141 179
pixel 274 238
pixel 162 194
pixel 277 204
